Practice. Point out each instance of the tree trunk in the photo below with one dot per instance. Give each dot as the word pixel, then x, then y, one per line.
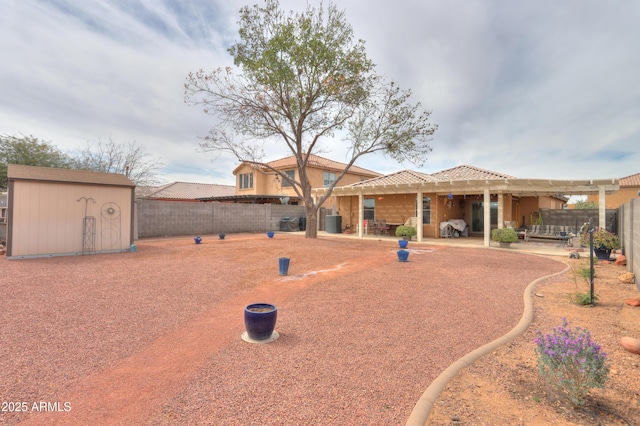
pixel 312 221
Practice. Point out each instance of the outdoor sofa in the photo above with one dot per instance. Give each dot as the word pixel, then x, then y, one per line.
pixel 549 232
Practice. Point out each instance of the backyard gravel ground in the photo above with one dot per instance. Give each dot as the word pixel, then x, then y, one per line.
pixel 153 337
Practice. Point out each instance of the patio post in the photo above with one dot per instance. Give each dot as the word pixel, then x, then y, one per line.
pixel 360 215
pixel 420 206
pixel 487 217
pixel 602 208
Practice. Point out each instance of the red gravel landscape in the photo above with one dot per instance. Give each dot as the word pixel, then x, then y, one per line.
pixel 153 337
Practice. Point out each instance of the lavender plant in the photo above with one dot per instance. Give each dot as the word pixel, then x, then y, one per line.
pixel 571 362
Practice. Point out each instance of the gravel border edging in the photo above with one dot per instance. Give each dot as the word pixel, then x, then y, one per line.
pixel 420 413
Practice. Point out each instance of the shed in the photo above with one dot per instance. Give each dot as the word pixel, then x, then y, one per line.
pixel 58 212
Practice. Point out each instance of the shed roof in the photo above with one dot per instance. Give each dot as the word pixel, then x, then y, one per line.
pixel 50 174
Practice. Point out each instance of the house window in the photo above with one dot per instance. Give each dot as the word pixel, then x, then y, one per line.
pixel 329 179
pixel 291 174
pixel 426 210
pixel 369 208
pixel 246 180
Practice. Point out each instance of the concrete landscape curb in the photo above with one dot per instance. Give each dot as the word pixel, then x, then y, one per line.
pixel 420 413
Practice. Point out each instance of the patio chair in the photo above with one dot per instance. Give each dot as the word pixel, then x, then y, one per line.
pixel 382 227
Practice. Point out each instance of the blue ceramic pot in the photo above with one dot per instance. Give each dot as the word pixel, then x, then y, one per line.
pixel 260 320
pixel 403 255
pixel 403 243
pixel 197 239
pixel 283 263
pixel 602 254
pixel 221 236
pixel 270 234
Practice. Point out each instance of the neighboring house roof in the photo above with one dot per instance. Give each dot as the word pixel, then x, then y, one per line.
pixel 186 191
pixel 50 174
pixel 317 162
pixel 403 176
pixel 633 180
pixel 465 172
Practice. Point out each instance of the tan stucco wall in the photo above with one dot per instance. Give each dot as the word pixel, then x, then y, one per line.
pixel 47 218
pixel 267 184
pixel 393 208
pixel 613 201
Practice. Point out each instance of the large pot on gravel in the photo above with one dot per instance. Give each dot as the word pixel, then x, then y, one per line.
pixel 260 320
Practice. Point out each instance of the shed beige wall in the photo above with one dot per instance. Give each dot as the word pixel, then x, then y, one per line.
pixel 48 218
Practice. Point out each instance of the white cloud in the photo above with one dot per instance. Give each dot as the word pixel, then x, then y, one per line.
pixel 535 89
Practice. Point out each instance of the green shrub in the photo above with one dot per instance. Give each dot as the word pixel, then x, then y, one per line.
pixel 580 298
pixel 601 239
pixel 504 235
pixel 406 231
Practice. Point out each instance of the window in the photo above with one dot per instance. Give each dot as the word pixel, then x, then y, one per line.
pixel 245 180
pixel 329 178
pixel 369 208
pixel 426 210
pixel 291 174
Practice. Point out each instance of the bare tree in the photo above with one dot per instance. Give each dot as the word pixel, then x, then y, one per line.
pixel 304 78
pixel 129 159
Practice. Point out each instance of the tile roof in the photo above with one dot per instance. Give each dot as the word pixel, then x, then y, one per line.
pixel 403 176
pixel 458 173
pixel 320 163
pixel 50 174
pixel 186 191
pixel 633 180
pixel 465 172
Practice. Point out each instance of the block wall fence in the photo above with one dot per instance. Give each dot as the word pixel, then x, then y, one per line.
pixel 175 218
pixel 630 236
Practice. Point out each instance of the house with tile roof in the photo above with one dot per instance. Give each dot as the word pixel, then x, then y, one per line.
pixel 263 184
pixel 481 199
pixel 184 191
pixel 629 188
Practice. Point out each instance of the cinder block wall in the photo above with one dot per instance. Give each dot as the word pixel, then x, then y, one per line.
pixel 630 236
pixel 174 218
pixel 577 217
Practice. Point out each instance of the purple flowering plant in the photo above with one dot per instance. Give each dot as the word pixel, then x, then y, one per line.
pixel 571 361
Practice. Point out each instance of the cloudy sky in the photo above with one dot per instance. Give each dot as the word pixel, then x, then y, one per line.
pixel 535 89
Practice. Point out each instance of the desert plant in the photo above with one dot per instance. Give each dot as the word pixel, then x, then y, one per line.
pixel 580 298
pixel 571 362
pixel 582 272
pixel 406 231
pixel 504 235
pixel 601 239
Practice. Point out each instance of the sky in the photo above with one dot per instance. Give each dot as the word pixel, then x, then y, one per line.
pixel 533 89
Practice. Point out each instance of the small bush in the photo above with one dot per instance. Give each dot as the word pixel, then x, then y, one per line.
pixel 504 235
pixel 406 231
pixel 580 298
pixel 571 362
